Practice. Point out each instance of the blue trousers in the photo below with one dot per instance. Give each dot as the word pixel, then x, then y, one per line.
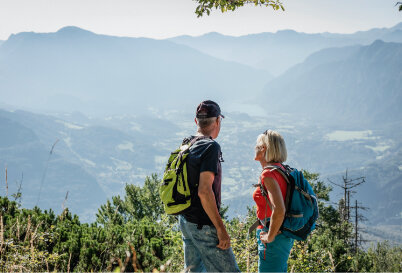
pixel 200 251
pixel 274 256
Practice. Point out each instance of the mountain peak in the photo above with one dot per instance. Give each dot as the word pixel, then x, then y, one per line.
pixel 73 30
pixel 397 26
pixel 213 34
pixel 287 32
pixel 378 43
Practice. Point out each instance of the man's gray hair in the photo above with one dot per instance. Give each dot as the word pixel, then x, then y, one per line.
pixel 204 123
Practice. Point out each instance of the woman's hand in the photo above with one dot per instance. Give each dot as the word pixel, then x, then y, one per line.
pixel 267 238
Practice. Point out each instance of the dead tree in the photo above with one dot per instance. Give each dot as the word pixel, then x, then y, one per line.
pixel 358 239
pixel 347 185
pixel 344 204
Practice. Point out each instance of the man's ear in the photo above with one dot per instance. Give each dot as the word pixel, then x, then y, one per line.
pixel 195 120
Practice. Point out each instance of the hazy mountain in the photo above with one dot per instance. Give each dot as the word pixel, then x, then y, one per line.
pixel 74 69
pixel 43 178
pixel 387 208
pixel 91 160
pixel 345 85
pixel 379 193
pixel 276 52
pixel 392 34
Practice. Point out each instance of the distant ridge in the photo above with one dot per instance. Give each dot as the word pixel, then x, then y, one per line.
pixel 291 31
pixel 69 31
pixel 277 52
pixel 75 69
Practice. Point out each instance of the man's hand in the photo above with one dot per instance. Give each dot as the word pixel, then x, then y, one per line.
pixel 208 202
pixel 224 239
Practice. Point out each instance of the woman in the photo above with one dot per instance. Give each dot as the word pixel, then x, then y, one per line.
pixel 273 247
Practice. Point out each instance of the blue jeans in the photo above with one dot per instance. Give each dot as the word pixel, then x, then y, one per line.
pixel 200 251
pixel 274 256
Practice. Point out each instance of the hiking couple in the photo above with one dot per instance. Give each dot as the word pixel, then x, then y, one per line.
pixel 206 241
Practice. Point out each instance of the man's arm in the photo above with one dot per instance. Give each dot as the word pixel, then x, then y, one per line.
pixel 208 202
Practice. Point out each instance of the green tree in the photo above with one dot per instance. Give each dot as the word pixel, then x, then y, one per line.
pixel 26 238
pixel 136 223
pixel 205 6
pixel 138 202
pixel 382 258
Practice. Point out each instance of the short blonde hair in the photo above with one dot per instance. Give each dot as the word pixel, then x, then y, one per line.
pixel 275 144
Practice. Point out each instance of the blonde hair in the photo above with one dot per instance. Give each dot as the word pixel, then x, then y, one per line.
pixel 275 144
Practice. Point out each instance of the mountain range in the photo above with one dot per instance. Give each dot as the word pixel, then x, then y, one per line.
pixel 74 69
pixel 277 52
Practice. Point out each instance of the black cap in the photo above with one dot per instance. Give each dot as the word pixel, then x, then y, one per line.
pixel 208 109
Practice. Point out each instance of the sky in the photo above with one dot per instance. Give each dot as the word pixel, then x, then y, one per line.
pixel 168 18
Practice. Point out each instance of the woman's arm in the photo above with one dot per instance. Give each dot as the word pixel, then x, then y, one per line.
pixel 278 210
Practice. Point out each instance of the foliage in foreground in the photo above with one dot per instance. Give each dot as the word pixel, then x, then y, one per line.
pixel 131 233
pixel 205 6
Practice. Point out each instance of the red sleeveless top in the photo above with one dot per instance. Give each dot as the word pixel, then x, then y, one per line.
pixel 260 199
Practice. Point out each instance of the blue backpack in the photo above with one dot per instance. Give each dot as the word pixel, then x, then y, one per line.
pixel 300 203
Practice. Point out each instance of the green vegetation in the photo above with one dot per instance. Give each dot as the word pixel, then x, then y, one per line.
pixel 400 5
pixel 205 6
pixel 131 233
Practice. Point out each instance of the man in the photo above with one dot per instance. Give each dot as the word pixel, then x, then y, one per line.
pixel 206 241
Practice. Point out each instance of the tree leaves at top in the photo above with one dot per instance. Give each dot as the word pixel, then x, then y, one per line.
pixel 205 6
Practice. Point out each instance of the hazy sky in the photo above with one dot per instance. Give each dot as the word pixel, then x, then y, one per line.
pixel 167 18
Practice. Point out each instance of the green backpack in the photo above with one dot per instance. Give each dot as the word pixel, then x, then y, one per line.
pixel 175 191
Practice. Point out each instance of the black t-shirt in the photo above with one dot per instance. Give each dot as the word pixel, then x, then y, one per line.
pixel 205 155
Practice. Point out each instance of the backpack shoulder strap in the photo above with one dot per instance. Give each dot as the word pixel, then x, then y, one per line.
pixel 188 142
pixel 280 170
pixel 290 186
pixel 265 194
